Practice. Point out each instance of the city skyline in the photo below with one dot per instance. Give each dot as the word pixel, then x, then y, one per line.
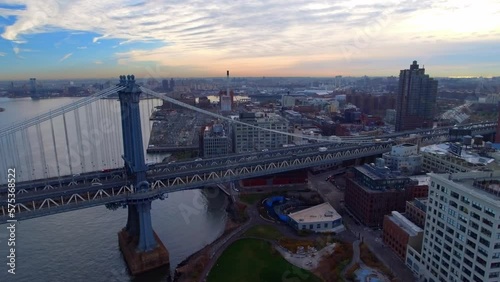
pixel 95 39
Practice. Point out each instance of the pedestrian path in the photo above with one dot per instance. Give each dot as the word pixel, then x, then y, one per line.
pixel 364 272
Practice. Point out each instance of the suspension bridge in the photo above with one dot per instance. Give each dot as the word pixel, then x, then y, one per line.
pixel 92 152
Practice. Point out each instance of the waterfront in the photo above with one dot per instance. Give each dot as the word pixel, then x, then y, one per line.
pixel 83 245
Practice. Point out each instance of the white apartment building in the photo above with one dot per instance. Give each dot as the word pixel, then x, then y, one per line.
pixel 437 158
pixel 462 228
pixel 404 158
pixel 249 139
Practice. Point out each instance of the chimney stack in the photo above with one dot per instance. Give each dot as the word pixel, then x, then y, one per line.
pixel 227 84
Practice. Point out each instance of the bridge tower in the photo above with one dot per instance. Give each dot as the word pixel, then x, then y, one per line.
pixel 141 247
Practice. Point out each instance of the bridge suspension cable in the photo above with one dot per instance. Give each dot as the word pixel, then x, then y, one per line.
pixel 67 108
pixel 187 106
pixel 58 142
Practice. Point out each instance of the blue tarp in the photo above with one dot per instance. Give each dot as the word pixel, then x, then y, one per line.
pixel 270 209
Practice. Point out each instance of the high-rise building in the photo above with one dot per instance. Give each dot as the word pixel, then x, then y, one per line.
pixel 416 99
pixel 172 85
pixel 497 135
pixel 33 86
pixel 164 84
pixel 249 139
pixel 215 141
pixel 461 234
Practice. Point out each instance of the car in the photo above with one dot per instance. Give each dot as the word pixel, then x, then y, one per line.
pixel 96 184
pixel 198 159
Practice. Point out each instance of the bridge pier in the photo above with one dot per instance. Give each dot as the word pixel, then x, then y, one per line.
pixel 141 247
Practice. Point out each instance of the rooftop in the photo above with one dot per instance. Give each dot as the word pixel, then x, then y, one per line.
pixel 422 179
pixel 420 203
pixel 466 154
pixel 481 184
pixel 405 224
pixel 374 172
pixel 406 145
pixel 321 212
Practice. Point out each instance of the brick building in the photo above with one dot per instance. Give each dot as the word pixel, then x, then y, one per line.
pixel 374 191
pixel 416 99
pixel 415 211
pixel 399 232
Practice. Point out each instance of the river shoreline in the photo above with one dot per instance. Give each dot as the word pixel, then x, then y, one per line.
pixel 193 266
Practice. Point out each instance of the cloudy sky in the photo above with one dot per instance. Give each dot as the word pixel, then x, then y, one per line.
pixel 188 38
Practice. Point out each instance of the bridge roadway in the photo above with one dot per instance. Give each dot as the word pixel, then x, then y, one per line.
pixel 97 176
pixel 97 188
pixel 38 203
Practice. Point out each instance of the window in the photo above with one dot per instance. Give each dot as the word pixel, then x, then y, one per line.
pixel 465 200
pixel 458 246
pixel 454 194
pixel 487 222
pixel 450 230
pixel 489 211
pixel 446 256
pixel 469 253
pixel 470 243
pixel 477 206
pixel 485 231
pixel 484 241
pixel 453 204
pixel 452 212
pixel 481 261
pixel 462 218
pixel 447 247
pixel 464 209
pixel 326 225
pixel 482 251
pixel 473 225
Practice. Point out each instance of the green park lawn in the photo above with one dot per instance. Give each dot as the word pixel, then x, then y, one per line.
pixel 253 260
pixel 251 199
pixel 263 231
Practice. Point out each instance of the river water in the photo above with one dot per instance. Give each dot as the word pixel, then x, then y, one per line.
pixel 83 245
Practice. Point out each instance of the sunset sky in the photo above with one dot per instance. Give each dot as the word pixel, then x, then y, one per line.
pixel 192 38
